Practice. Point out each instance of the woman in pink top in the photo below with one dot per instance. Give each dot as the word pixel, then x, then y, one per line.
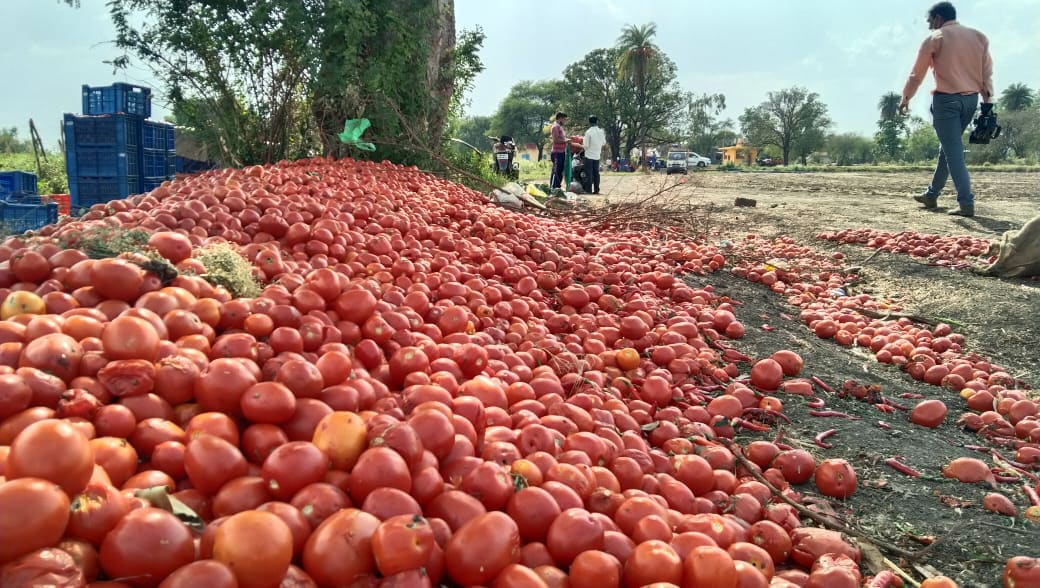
pixel 559 150
pixel 960 61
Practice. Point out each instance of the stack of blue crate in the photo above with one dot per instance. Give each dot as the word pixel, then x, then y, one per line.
pixel 112 151
pixel 21 208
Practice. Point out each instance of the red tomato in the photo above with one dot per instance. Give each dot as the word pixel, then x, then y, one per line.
pixel 147 545
pixel 257 546
pixel 211 462
pixel 56 354
pixel 45 567
pixel 206 572
pixel 292 466
pixel 96 511
pixel 129 337
pixel 835 478
pixel 339 551
pixel 35 514
pixel 478 551
pixel 595 569
pixel 402 543
pixel 53 450
pixel 709 567
pixel 575 530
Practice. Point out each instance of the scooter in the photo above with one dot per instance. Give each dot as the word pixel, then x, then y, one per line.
pixel 503 153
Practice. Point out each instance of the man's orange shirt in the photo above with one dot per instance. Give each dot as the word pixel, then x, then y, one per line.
pixel 960 60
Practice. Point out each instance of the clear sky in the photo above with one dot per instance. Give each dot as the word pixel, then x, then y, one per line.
pixel 850 52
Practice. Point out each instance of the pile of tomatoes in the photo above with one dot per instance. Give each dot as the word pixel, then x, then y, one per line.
pixel 428 391
pixel 938 249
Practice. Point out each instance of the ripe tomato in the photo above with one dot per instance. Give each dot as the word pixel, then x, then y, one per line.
pixel 292 466
pixel 211 462
pixel 147 545
pixel 129 337
pixel 221 385
pixel 836 478
pixel 206 572
pixel 379 467
pixel 35 514
pixel 651 562
pixel 96 511
pixel 709 567
pixel 402 543
pixel 268 402
pixel 257 546
pixel 339 551
pixel 478 551
pixel 595 569
pixel 116 279
pixel 575 530
pixel 45 567
pixel 128 377
pixel 56 354
pixel 52 450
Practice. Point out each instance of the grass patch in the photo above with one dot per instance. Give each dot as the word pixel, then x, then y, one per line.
pixel 226 267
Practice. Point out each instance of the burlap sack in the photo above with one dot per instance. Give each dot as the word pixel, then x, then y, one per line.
pixel 1018 253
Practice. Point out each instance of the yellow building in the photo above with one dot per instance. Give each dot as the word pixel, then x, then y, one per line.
pixel 739 154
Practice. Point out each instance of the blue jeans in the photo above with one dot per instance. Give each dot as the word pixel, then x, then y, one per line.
pixel 556 179
pixel 951 114
pixel 592 167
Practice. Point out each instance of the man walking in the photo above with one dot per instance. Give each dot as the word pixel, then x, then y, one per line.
pixel 594 140
pixel 559 150
pixel 960 61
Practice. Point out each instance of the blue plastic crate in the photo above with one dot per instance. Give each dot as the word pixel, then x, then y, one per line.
pixel 18 218
pixel 102 161
pixel 158 135
pixel 23 198
pixel 86 192
pixel 12 182
pixel 113 130
pixel 117 98
pixel 154 163
pixel 149 184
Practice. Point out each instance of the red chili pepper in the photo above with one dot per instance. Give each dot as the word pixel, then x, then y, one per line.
pixel 1003 479
pixel 884 425
pixel 978 448
pixel 767 413
pixel 902 468
pixel 818 439
pixel 822 385
pixel 893 404
pixel 749 425
pixel 1017 467
pixel 1031 493
pixel 816 403
pixel 768 328
pixel 911 395
pixel 833 413
pixel 884 407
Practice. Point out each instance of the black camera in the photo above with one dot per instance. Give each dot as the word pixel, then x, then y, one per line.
pixel 986 127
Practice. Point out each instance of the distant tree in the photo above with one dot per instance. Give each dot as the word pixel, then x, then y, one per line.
pixel 1017 97
pixel 888 104
pixel 591 86
pixel 474 130
pixel 706 126
pixel 921 144
pixel 793 119
pixel 525 110
pixel 639 56
pixel 10 143
pixel 850 148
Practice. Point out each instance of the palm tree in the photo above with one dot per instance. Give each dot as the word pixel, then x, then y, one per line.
pixel 638 55
pixel 1017 97
pixel 889 106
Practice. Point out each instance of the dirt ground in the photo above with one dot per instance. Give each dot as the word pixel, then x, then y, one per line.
pixel 1000 319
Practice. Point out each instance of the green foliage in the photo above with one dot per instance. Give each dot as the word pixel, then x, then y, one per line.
pixel 888 104
pixel 707 129
pixel 226 267
pixel 591 86
pixel 921 144
pixel 267 80
pixel 51 178
pixel 1017 97
pixel 474 130
pixel 889 139
pixel 525 112
pixel 792 119
pixel 849 149
pixel 10 143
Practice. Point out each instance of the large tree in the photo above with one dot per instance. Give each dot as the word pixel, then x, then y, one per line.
pixel 591 87
pixel 793 120
pixel 639 57
pixel 849 148
pixel 1017 97
pixel 525 110
pixel 888 104
pixel 474 131
pixel 707 128
pixel 268 79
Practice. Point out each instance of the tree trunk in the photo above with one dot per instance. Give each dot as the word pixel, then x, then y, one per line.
pixel 440 74
pixel 787 153
pixel 541 149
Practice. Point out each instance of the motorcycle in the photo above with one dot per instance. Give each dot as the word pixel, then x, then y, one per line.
pixel 503 153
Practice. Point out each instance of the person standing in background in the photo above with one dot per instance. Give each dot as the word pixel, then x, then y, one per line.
pixel 963 69
pixel 559 150
pixel 594 140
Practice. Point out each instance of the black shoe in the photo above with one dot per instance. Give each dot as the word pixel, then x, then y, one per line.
pixel 967 211
pixel 928 200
